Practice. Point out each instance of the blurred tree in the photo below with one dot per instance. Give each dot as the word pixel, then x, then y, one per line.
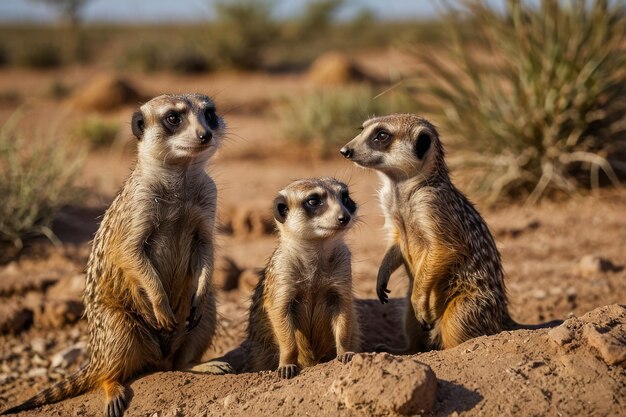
pixel 68 10
pixel 316 18
pixel 245 28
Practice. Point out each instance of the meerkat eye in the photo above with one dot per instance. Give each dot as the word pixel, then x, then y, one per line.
pixel 211 117
pixel 382 136
pixel 173 119
pixel 313 201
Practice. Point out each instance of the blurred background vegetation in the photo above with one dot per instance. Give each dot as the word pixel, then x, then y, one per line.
pixel 530 95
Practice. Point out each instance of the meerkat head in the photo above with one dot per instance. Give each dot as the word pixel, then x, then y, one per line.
pixel 175 129
pixel 314 209
pixel 399 145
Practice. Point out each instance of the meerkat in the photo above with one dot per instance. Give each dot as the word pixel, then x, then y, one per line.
pixel 302 310
pixel 456 289
pixel 149 300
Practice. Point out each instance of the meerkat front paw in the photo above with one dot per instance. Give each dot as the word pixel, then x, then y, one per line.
pixel 382 291
pixel 192 321
pixel 288 371
pixel 164 317
pixel 345 357
pixel 214 368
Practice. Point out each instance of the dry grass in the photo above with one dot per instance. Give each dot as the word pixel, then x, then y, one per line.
pixel 327 119
pixel 36 179
pixel 537 96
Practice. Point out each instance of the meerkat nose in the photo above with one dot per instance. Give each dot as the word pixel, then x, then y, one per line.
pixel 346 152
pixel 343 219
pixel 205 136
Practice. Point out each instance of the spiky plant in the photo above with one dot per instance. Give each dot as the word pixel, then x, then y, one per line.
pixel 537 94
pixel 36 179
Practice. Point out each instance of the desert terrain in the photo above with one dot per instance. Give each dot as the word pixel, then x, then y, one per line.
pixel 564 259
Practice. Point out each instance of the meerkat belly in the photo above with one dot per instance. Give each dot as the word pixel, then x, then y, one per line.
pixel 170 248
pixel 314 316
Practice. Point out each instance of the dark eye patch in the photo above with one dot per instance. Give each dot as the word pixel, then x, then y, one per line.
pixel 211 117
pixel 347 202
pixel 380 139
pixel 172 121
pixel 312 204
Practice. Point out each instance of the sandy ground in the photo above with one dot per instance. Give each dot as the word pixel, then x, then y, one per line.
pixel 562 260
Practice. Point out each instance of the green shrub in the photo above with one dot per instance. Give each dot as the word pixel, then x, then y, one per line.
pixel 244 29
pixel 537 94
pixel 58 90
pixel 143 57
pixel 41 56
pixel 97 132
pixel 4 55
pixel 178 58
pixel 37 178
pixel 187 61
pixel 329 118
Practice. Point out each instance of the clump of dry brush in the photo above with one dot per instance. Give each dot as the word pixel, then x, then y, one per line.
pixel 37 177
pixel 536 94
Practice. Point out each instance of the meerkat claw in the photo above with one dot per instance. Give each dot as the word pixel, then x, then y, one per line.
pixel 288 371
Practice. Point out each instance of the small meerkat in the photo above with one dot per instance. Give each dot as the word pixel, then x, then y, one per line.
pixel 149 300
pixel 302 310
pixel 456 289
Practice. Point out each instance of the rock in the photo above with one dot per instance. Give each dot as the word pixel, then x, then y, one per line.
pixel 334 68
pixel 14 317
pixel 70 287
pixel 591 265
pixel 601 332
pixel 56 313
pixel 561 335
pixel 69 356
pixel 610 343
pixel 105 92
pixel 382 384
pixel 37 372
pixel 38 345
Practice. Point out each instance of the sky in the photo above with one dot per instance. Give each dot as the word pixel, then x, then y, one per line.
pixel 190 10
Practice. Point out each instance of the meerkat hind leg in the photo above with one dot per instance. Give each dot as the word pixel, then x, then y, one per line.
pixel 116 397
pixel 458 323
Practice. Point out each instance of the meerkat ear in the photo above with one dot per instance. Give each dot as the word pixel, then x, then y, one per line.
pixel 280 209
pixel 422 144
pixel 137 124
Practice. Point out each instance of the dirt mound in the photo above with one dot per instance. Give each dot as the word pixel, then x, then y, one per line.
pixel 335 68
pixel 475 378
pixel 105 92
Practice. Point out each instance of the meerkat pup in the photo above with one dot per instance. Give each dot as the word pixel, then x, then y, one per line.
pixel 302 310
pixel 456 289
pixel 149 301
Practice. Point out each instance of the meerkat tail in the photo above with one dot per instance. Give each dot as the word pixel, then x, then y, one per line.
pixel 510 324
pixel 76 384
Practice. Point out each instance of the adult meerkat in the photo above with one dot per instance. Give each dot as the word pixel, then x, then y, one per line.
pixel 456 289
pixel 149 301
pixel 302 310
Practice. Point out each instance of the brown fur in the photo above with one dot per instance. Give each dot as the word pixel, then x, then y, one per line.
pixel 302 310
pixel 456 287
pixel 151 263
